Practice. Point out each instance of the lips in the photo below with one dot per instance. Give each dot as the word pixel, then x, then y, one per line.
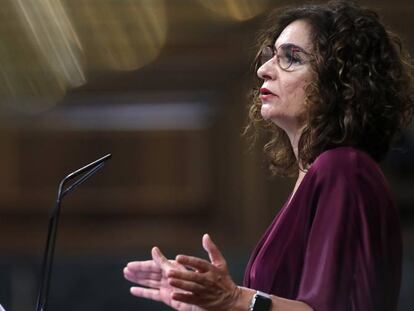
pixel 265 91
pixel 266 94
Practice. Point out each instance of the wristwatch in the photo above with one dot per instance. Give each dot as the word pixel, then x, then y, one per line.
pixel 260 302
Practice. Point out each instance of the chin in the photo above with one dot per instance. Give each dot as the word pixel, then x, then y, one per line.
pixel 266 112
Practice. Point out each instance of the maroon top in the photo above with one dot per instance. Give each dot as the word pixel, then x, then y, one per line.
pixel 337 245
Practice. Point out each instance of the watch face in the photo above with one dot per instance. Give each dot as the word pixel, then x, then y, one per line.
pixel 263 302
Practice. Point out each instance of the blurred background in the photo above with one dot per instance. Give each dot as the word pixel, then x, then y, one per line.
pixel 162 85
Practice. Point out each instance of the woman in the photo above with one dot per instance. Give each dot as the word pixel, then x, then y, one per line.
pixel 335 89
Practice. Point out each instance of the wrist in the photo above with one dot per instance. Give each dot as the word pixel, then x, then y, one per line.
pixel 242 299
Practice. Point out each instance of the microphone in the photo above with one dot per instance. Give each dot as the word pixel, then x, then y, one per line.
pixel 83 174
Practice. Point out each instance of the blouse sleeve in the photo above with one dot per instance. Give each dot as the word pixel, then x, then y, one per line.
pixel 351 233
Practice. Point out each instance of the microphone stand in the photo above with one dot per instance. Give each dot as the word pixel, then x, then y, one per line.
pixel 85 173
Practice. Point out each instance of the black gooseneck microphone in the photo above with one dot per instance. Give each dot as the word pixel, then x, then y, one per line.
pixel 84 174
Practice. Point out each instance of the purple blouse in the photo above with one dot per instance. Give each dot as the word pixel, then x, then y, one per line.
pixel 337 245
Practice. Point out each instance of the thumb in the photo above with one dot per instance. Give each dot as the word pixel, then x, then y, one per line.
pixel 160 259
pixel 214 253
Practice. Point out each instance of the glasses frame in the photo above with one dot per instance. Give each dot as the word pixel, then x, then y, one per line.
pixel 272 51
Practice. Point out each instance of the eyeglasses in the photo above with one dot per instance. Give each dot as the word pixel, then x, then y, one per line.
pixel 288 56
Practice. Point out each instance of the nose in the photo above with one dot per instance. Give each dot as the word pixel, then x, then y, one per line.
pixel 267 71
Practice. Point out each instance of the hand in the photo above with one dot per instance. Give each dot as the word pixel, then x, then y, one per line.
pixel 209 286
pixel 152 275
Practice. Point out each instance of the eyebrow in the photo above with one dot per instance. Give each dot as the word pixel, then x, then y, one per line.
pixel 291 45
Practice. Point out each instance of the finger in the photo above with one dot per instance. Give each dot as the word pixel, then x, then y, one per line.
pixel 146 265
pixel 148 293
pixel 143 274
pixel 214 253
pixel 149 283
pixel 160 259
pixel 185 297
pixel 187 276
pixel 144 281
pixel 187 286
pixel 199 264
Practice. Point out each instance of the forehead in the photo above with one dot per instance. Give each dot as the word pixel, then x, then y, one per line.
pixel 297 33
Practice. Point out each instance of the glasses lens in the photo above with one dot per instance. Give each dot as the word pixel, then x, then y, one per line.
pixel 266 55
pixel 285 57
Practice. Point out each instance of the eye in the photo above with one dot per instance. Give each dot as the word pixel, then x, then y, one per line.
pixel 292 55
pixel 289 56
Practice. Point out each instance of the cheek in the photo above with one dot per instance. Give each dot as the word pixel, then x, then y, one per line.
pixel 294 91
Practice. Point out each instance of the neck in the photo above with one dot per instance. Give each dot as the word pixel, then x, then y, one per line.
pixel 294 141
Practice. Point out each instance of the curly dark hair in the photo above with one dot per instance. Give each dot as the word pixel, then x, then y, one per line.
pixel 361 94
